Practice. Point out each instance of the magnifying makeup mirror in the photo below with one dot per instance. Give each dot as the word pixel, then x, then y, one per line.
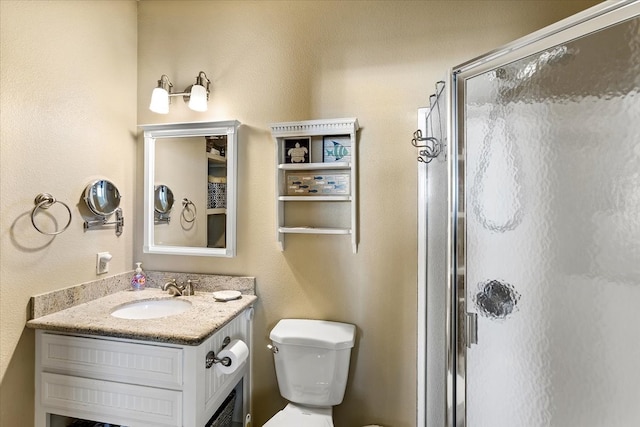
pixel 163 203
pixel 103 199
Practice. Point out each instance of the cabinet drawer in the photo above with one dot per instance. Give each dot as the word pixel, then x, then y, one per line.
pixel 132 363
pixel 111 402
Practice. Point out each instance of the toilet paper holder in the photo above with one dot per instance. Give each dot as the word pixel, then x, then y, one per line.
pixel 211 356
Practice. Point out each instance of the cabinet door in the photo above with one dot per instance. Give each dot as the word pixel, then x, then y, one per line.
pixel 218 385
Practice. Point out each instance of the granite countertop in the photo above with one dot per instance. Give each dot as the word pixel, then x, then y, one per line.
pixel 192 327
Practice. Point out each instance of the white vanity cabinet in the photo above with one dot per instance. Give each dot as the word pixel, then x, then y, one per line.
pixel 137 383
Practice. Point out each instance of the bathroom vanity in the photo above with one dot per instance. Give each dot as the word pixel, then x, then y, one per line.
pixel 156 372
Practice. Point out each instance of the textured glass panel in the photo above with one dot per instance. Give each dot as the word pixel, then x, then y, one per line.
pixel 553 236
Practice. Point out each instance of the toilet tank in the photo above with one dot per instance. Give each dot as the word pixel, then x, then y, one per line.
pixel 312 360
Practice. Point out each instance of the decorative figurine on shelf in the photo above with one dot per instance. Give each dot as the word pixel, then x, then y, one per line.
pixel 336 149
pixel 297 150
pixel 297 153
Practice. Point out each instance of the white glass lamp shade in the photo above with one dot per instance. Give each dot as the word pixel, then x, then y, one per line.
pixel 159 101
pixel 198 98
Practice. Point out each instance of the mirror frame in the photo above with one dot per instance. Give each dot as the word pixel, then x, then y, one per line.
pixel 154 132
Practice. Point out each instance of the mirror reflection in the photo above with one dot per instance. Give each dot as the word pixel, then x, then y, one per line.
pixel 195 163
pixel 182 162
pixel 163 203
pixel 163 199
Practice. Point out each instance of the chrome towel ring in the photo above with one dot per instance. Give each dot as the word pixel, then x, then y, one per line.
pixel 186 203
pixel 45 201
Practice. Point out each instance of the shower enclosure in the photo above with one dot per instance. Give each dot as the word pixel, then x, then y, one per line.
pixel 539 194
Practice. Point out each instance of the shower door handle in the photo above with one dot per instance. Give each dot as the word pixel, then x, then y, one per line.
pixel 471 329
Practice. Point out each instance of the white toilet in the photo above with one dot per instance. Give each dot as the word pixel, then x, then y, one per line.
pixel 312 365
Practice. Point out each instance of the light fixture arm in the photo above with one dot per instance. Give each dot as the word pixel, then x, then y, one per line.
pixel 203 81
pixel 165 83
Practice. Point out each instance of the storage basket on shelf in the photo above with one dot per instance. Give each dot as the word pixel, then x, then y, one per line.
pixel 223 417
pixel 217 195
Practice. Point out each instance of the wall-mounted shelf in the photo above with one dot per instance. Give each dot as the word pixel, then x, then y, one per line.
pixel 312 172
pixel 216 211
pixel 315 198
pixel 216 159
pixel 315 166
pixel 314 230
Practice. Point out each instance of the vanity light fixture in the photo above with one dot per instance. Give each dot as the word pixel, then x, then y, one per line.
pixel 160 96
pixel 197 95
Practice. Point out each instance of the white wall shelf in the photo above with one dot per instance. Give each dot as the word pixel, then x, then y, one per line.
pixel 216 211
pixel 314 198
pixel 315 166
pixel 314 230
pixel 216 158
pixel 318 163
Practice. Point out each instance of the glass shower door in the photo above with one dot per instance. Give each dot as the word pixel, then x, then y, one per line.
pixel 551 266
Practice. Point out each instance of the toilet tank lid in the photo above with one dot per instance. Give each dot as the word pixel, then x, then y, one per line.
pixel 314 333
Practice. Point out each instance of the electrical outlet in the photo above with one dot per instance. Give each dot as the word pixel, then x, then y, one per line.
pixel 102 262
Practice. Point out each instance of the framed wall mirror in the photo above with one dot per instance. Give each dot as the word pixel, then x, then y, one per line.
pixel 198 162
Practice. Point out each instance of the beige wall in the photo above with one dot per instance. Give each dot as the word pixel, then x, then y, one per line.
pixel 68 115
pixel 281 61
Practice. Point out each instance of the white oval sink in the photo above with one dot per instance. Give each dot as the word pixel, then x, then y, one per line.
pixel 151 309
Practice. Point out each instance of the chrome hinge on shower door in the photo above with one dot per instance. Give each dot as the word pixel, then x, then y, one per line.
pixel 471 329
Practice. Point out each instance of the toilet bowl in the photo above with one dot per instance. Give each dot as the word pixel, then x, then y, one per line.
pixel 312 365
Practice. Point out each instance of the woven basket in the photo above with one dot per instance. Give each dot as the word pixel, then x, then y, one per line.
pixel 224 415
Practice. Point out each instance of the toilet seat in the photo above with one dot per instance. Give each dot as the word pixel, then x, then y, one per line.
pixel 296 416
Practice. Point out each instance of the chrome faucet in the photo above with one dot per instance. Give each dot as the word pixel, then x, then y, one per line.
pixel 173 288
pixel 188 288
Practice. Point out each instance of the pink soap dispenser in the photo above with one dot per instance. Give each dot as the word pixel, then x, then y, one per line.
pixel 139 279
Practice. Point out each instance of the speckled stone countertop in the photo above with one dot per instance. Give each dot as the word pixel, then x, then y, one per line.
pixel 191 327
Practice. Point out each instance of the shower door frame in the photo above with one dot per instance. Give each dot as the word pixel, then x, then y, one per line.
pixel 460 334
